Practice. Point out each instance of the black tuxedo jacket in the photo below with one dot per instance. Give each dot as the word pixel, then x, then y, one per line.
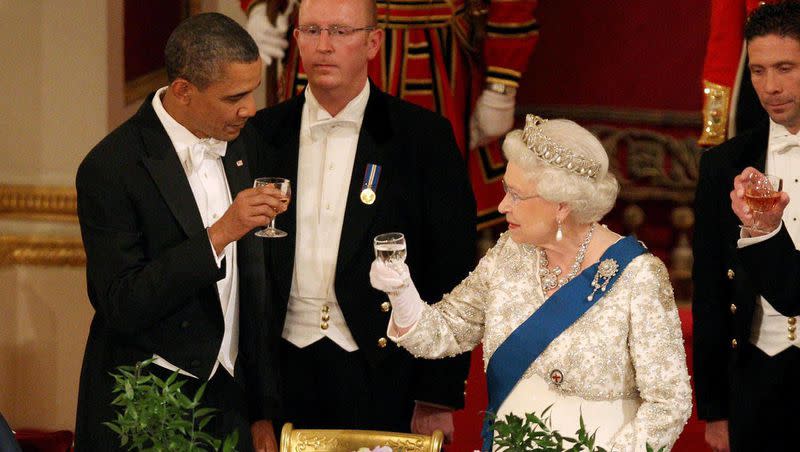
pixel 7 441
pixel 727 280
pixel 151 272
pixel 423 192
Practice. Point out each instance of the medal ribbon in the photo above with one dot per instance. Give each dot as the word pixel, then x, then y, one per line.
pixel 371 177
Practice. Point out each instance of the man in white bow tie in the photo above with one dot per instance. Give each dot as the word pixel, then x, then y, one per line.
pixel 166 208
pixel 364 163
pixel 747 278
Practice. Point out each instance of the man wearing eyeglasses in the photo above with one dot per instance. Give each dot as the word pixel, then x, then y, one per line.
pixel 437 54
pixel 364 163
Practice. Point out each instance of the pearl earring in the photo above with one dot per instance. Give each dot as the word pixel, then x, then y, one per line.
pixel 559 232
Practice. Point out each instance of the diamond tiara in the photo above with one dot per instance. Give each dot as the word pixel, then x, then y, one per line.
pixel 553 153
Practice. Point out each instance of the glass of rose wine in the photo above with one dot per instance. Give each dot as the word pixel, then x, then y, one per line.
pixel 285 187
pixel 762 192
pixel 390 248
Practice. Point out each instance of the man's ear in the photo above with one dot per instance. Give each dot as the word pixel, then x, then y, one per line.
pixel 182 90
pixel 374 42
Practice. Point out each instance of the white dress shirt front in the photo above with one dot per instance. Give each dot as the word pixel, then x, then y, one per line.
pixel 773 332
pixel 212 195
pixel 325 163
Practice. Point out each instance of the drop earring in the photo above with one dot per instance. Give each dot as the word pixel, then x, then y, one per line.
pixel 559 232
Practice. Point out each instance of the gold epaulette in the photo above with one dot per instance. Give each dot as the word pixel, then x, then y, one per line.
pixel 715 113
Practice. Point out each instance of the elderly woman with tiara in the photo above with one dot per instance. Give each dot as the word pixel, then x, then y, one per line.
pixel 570 314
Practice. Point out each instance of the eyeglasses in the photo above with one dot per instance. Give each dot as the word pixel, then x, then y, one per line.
pixel 515 198
pixel 334 31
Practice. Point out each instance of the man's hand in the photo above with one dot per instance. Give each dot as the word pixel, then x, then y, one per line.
pixel 252 208
pixel 493 116
pixel 717 436
pixel 270 39
pixel 768 220
pixel 263 436
pixel 427 418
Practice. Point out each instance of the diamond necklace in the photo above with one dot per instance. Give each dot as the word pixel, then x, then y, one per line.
pixel 550 278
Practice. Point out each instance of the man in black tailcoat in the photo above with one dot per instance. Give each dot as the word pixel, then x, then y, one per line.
pixel 746 274
pixel 173 273
pixel 363 163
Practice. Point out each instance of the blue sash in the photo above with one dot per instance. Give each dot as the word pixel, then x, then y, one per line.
pixel 521 348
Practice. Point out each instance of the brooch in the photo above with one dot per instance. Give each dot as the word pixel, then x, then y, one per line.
pixel 556 376
pixel 605 271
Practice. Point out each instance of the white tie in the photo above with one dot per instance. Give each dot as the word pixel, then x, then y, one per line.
pixel 206 148
pixel 784 143
pixel 320 129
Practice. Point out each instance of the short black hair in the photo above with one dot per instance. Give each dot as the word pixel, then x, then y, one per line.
pixel 202 44
pixel 782 19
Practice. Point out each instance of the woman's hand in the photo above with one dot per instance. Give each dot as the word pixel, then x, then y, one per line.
pixel 389 279
pixel 396 282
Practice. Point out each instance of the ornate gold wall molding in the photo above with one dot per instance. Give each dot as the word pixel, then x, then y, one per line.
pixel 40 204
pixel 30 202
pixel 38 250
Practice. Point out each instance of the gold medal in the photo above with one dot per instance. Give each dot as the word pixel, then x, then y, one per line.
pixel 370 184
pixel 367 196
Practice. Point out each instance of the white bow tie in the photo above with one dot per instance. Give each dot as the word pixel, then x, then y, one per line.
pixel 320 129
pixel 206 148
pixel 784 143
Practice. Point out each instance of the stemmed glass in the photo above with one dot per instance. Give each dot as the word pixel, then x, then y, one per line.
pixel 285 187
pixel 762 192
pixel 390 248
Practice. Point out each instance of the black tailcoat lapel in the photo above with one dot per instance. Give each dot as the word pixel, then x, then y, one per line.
pixel 754 151
pixel 284 150
pixel 374 145
pixel 236 168
pixel 162 162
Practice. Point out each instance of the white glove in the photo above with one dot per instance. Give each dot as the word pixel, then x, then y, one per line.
pixel 271 39
pixel 493 116
pixel 396 282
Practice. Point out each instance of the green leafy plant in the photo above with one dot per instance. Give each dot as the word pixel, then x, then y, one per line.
pixel 157 416
pixel 533 432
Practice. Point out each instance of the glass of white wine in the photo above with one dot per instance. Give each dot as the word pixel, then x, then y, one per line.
pixel 285 187
pixel 390 248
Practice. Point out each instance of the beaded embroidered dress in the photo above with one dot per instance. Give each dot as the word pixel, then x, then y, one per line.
pixel 622 364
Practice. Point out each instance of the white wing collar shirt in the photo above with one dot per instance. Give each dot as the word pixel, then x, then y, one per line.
pixel 771 330
pixel 325 162
pixel 204 170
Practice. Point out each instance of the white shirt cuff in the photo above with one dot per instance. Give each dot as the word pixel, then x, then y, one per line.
pixel 747 241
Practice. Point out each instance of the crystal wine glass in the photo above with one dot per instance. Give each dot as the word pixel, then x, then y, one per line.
pixel 390 248
pixel 762 192
pixel 285 187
